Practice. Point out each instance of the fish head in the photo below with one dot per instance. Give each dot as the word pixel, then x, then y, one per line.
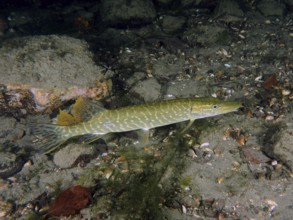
pixel 208 107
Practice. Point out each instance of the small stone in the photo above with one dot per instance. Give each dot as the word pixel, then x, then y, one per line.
pixel 172 24
pixel 254 156
pixel 28 163
pixel 286 92
pixel 148 89
pixel 5 208
pixel 108 173
pixel 67 156
pixel 136 77
pixel 16 134
pixel 271 8
pixel 269 118
pixel 206 144
pixel 184 209
pixel 220 179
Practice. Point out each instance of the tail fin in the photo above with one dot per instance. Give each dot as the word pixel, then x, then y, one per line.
pixel 47 136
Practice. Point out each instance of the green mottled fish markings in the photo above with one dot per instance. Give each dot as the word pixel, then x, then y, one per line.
pixel 144 116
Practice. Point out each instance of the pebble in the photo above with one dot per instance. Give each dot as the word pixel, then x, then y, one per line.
pixel 10 164
pixel 286 92
pixel 67 156
pixel 142 89
pixel 269 118
pixel 5 208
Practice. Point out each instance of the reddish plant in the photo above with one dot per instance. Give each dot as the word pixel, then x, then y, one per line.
pixel 70 201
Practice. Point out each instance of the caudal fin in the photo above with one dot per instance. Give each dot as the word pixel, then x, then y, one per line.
pixel 47 137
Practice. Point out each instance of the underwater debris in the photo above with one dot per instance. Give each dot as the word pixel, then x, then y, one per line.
pixel 236 134
pixel 70 201
pixel 270 82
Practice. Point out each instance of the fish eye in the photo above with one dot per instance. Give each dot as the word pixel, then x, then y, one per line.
pixel 214 107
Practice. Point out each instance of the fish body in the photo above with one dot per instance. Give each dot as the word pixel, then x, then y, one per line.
pixel 136 117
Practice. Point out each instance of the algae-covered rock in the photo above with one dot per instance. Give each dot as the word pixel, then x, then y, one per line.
pixel 123 12
pixel 41 72
pixel 68 156
pixel 47 62
pixel 271 8
pixel 149 89
pixel 229 7
pixel 172 24
pixel 277 142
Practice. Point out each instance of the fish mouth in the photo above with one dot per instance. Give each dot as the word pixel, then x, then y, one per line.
pixel 232 106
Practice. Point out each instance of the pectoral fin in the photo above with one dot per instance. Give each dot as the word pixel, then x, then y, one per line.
pixel 143 137
pixel 89 138
pixel 187 126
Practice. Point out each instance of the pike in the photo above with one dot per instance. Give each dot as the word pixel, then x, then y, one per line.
pixel 136 117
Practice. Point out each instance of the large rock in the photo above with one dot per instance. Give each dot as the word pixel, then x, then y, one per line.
pixel 271 8
pixel 229 7
pixel 277 142
pixel 47 62
pixel 172 24
pixel 39 73
pixel 187 88
pixel 68 156
pixel 149 90
pixel 168 67
pixel 127 12
pixel 207 35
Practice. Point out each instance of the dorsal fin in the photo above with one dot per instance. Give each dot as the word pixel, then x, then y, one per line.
pixel 93 108
pixel 66 119
pixel 81 110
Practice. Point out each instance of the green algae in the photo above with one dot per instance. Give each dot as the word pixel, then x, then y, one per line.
pixel 184 181
pixel 140 193
pixel 145 192
pixel 223 38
